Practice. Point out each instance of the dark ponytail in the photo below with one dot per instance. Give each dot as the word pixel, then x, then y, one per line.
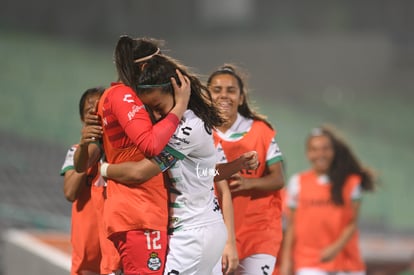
pixel 124 60
pixel 128 50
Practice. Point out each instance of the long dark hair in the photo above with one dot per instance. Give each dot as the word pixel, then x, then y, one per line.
pixel 244 109
pixel 127 51
pixel 85 95
pixel 156 72
pixel 344 164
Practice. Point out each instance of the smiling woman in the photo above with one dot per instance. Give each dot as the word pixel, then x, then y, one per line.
pixel 255 193
pixel 324 202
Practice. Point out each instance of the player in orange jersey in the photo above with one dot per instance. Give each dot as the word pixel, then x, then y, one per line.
pixel 255 194
pixel 136 217
pixel 322 232
pixel 92 252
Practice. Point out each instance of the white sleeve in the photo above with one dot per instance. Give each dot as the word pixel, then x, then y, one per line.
pixel 273 154
pixel 292 192
pixel 68 163
pixel 356 193
pixel 188 137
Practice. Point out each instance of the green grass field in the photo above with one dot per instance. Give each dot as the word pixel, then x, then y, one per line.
pixel 41 81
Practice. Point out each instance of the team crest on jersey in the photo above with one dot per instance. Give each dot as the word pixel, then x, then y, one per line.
pixel 154 262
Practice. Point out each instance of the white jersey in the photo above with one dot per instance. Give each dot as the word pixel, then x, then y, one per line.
pixel 192 199
pixel 68 163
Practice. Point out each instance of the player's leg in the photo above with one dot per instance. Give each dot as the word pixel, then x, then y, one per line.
pixel 195 251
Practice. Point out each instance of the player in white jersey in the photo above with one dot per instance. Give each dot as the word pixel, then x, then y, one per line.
pixel 196 222
pixel 256 196
pixel 198 233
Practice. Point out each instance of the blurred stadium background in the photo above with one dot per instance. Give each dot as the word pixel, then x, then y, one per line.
pixel 347 63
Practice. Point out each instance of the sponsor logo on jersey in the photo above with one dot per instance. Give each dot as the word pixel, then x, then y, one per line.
pixel 154 262
pixel 180 139
pixel 135 109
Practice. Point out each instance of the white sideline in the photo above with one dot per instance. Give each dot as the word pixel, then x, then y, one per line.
pixel 26 241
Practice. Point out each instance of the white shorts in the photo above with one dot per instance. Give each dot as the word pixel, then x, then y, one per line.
pixel 256 264
pixel 195 251
pixel 315 271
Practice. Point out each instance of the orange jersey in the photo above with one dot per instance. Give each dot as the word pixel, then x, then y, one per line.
pixel 86 252
pixel 257 214
pixel 318 222
pixel 143 206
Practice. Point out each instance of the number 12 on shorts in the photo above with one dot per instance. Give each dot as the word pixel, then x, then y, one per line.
pixel 153 238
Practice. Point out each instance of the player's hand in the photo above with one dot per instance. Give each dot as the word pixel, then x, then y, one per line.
pixel 90 133
pixel 329 253
pixel 238 183
pixel 249 160
pixel 229 259
pixel 91 118
pixel 181 93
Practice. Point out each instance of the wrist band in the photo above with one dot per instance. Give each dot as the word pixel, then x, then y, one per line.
pixel 104 168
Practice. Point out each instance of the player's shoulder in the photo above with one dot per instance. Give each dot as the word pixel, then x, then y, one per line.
pixel 263 127
pixel 190 119
pixel 353 179
pixel 73 148
pixel 302 176
pixel 121 92
pixel 191 127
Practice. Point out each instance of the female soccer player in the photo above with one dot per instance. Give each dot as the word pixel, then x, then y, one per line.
pixel 136 217
pixel 324 201
pixel 255 193
pixel 92 252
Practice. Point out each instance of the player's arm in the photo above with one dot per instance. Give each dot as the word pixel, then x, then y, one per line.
pixel 273 177
pixel 132 173
pixel 245 161
pixel 272 180
pixel 331 251
pixel 230 258
pixel 86 156
pixel 88 152
pixel 292 196
pixel 73 184
pixel 286 266
pixel 151 139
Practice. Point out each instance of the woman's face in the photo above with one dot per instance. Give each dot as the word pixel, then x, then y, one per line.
pixel 159 101
pixel 91 103
pixel 320 153
pixel 226 94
